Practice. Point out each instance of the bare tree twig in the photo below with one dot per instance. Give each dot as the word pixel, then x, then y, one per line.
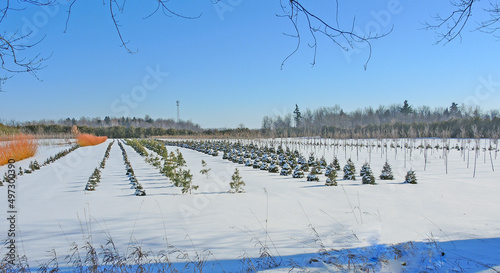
pixel 451 27
pixel 454 23
pixel 293 9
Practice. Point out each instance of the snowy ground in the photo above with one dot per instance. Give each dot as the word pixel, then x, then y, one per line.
pixel 452 220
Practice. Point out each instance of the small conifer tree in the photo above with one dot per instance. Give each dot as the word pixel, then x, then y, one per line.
pixel 236 183
pixel 332 178
pixel 206 170
pixel 386 172
pixel 363 169
pixel 184 178
pixel 368 177
pixel 179 159
pixel 312 176
pixel 349 170
pixel 411 177
pixel 336 164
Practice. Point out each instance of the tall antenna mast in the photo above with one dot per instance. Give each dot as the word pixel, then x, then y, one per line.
pixel 178 116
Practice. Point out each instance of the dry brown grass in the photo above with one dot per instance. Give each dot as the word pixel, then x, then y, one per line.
pixel 90 140
pixel 17 147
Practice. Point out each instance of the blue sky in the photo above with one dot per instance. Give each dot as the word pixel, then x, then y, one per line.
pixel 224 67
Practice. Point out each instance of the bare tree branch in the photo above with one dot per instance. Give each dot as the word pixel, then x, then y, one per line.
pixel 303 21
pixel 492 25
pixel 450 27
pixel 293 9
pixel 117 26
pixel 11 61
pixel 69 15
pixel 12 46
pixel 160 5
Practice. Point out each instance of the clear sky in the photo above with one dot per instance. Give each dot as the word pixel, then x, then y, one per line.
pixel 224 67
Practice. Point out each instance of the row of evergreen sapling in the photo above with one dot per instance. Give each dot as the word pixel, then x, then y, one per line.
pixel 184 181
pixel 139 190
pixel 95 177
pixel 269 159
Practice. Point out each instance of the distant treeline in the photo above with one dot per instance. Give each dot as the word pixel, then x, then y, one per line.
pixel 470 128
pixel 112 132
pixel 395 121
pixel 113 127
pixel 392 121
pixel 127 122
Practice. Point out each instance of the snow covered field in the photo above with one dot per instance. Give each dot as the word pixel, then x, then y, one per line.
pixel 446 222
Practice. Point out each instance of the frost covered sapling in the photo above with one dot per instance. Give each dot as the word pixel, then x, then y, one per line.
pixel 312 176
pixel 286 170
pixel 411 177
pixel 256 163
pixel 368 177
pixel 363 169
pixel 298 173
pixel 386 172
pixel 274 168
pixel 236 183
pixel 349 170
pixel 331 179
pixel 322 162
pixel 312 160
pixel 336 164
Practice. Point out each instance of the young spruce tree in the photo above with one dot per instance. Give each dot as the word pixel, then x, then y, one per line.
pixel 336 164
pixel 184 178
pixel 236 183
pixel 205 170
pixel 386 172
pixel 368 177
pixel 411 177
pixel 331 178
pixel 349 170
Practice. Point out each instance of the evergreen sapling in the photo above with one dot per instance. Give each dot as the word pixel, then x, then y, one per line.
pixel 387 172
pixel 368 177
pixel 349 170
pixel 411 177
pixel 331 179
pixel 336 164
pixel 363 169
pixel 236 183
pixel 206 170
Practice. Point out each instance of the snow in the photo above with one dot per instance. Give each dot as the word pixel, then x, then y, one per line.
pixel 452 213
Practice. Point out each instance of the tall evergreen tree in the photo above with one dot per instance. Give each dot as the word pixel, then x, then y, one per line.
pixel 454 111
pixel 298 116
pixel 406 109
